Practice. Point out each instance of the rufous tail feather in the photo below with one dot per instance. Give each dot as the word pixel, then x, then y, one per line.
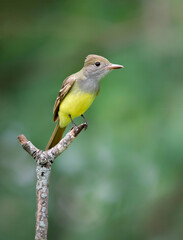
pixel 56 136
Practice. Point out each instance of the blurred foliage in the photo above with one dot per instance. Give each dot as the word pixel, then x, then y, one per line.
pixel 122 178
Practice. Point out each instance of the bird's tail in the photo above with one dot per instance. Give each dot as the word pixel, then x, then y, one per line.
pixel 56 136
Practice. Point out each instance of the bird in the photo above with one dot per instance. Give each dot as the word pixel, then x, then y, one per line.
pixel 77 93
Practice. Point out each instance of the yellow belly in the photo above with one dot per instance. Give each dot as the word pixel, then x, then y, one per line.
pixel 75 104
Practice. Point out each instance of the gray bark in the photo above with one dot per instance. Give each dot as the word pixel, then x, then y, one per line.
pixel 44 160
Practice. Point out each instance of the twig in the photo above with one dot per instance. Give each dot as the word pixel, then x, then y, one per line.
pixel 44 160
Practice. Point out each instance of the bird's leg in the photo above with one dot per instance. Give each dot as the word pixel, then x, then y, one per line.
pixel 86 122
pixel 73 123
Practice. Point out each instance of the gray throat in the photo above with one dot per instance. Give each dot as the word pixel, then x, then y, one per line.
pixel 89 84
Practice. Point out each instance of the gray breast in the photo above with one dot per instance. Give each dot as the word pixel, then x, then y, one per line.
pixel 89 85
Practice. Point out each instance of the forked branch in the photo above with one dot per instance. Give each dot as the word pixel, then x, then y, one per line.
pixel 44 160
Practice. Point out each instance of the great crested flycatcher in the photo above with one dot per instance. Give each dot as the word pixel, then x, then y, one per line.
pixel 77 93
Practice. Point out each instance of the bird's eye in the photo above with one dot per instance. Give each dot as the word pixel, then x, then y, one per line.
pixel 97 64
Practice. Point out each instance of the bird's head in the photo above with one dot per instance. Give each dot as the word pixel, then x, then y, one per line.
pixel 97 67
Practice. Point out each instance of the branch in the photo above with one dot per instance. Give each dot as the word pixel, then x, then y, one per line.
pixel 44 160
pixel 46 157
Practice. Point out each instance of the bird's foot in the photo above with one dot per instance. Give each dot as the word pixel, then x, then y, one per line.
pixel 74 126
pixel 85 123
pixel 75 129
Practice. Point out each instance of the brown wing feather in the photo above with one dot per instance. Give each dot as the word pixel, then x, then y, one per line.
pixel 65 88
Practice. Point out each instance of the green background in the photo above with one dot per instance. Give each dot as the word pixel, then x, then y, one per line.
pixel 122 178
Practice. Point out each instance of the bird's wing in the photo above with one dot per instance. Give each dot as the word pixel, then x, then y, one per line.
pixel 65 88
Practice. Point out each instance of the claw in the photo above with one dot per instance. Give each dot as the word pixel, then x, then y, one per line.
pixel 75 129
pixel 85 123
pixel 85 126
